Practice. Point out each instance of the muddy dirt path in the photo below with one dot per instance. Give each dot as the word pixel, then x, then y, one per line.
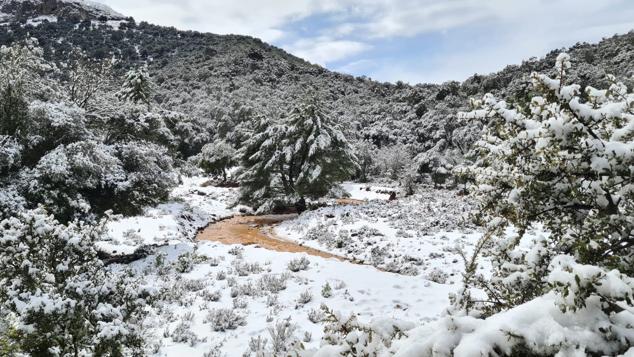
pixel 258 230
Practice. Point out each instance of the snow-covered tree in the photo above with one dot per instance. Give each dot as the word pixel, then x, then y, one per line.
pixel 563 162
pixel 137 86
pixel 89 177
pixel 216 158
pixel 260 177
pixel 393 161
pixel 87 79
pixel 302 156
pixel 21 65
pixel 365 152
pixel 61 301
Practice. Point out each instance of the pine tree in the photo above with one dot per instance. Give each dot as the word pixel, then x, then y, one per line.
pixel 303 156
pixel 137 87
pixel 262 166
pixel 316 152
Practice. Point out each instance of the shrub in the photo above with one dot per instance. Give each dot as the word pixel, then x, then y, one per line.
pixel 55 285
pixel 225 319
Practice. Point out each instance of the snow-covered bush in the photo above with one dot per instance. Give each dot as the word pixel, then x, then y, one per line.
pixel 298 264
pixel 326 290
pixel 283 342
pixel 62 299
pixel 393 161
pixel 10 153
pixel 562 161
pixel 77 159
pixel 223 319
pixel 88 175
pixel 305 297
pixel 347 336
pixel 273 283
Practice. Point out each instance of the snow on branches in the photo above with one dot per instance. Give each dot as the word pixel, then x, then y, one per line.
pixel 302 156
pixel 60 298
pixel 564 162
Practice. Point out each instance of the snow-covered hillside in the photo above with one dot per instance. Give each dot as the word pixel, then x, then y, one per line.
pixel 35 11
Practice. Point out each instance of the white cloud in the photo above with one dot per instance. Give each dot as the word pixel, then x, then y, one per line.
pixel 324 50
pixel 258 18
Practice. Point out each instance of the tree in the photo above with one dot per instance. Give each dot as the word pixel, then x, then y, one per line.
pixel 260 176
pixel 216 158
pixel 365 153
pixel 563 162
pixel 87 78
pixel 392 161
pixel 20 66
pixel 62 300
pixel 303 156
pixel 14 111
pixel 137 86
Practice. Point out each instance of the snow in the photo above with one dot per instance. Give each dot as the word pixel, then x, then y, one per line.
pixel 414 235
pixel 40 19
pixel 190 208
pixel 366 192
pixel 180 324
pixel 539 322
pixel 370 293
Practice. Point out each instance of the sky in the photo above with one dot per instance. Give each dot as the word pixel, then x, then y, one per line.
pixel 416 41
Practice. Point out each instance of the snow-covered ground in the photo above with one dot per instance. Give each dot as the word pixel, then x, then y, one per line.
pixel 367 192
pixel 259 288
pixel 215 297
pixel 192 206
pixel 414 235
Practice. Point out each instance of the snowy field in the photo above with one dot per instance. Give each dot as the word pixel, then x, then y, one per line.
pixel 214 297
pixel 420 234
pixel 230 295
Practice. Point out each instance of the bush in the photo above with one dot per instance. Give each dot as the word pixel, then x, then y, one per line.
pixel 298 264
pixel 564 162
pixel 78 177
pixel 54 285
pixel 225 319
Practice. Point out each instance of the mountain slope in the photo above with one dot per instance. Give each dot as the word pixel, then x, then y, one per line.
pixel 225 81
pixel 71 10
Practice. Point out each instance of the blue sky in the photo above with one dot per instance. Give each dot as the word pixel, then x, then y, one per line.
pixel 410 40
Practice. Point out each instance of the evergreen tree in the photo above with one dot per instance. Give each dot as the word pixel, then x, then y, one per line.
pixel 14 111
pixel 137 87
pixel 303 156
pixel 262 167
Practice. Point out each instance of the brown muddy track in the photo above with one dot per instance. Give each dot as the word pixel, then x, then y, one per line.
pixel 258 231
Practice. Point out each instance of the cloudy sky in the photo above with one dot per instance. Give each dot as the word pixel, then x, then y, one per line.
pixel 410 40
